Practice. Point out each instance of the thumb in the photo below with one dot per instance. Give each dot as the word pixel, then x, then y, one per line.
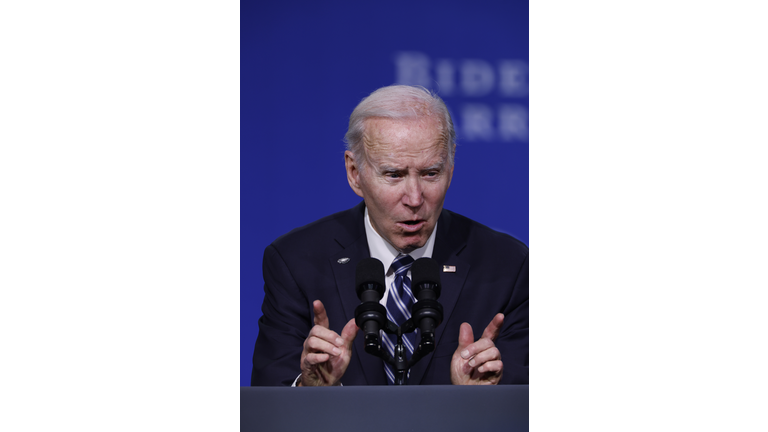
pixel 349 332
pixel 465 336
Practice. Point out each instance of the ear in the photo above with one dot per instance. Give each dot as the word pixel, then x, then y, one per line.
pixel 450 171
pixel 353 172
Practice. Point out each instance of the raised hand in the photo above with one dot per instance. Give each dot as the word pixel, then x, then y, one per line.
pixel 476 363
pixel 326 354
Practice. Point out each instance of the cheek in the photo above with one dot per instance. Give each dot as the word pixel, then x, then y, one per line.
pixel 390 201
pixel 435 193
pixel 387 194
pixel 384 198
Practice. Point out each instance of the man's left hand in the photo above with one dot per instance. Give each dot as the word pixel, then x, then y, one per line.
pixel 476 363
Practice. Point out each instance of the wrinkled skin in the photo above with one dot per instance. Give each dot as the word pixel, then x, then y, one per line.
pixel 478 363
pixel 326 354
pixel 403 180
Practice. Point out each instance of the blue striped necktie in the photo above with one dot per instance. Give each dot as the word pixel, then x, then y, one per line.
pixel 399 302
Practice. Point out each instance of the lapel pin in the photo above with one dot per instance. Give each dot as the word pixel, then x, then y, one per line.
pixel 343 260
pixel 449 269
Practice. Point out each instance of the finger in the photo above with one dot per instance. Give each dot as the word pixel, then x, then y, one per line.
pixel 327 335
pixel 494 327
pixel 317 345
pixel 465 339
pixel 321 318
pixel 474 349
pixel 315 358
pixel 349 332
pixel 495 366
pixel 324 375
pixel 485 356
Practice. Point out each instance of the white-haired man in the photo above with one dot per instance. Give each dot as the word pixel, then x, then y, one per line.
pixel 400 160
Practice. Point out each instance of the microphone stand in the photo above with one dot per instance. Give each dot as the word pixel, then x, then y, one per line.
pixel 371 316
pixel 399 362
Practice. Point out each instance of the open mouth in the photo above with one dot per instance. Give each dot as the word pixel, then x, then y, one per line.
pixel 412 226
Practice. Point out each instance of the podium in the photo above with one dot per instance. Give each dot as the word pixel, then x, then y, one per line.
pixel 375 408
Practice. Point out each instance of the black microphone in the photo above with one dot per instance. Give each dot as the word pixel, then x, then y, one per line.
pixel 427 311
pixel 370 315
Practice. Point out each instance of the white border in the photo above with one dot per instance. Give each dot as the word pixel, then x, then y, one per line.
pixel 648 216
pixel 119 183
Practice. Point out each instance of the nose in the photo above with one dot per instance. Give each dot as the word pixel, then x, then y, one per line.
pixel 413 195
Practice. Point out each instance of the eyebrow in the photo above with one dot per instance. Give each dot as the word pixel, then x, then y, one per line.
pixel 388 168
pixel 438 166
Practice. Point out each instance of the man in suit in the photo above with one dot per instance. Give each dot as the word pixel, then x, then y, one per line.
pixel 400 160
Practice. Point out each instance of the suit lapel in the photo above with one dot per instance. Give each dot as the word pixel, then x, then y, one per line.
pixel 344 265
pixel 446 252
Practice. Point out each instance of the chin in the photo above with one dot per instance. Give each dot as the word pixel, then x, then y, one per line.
pixel 410 247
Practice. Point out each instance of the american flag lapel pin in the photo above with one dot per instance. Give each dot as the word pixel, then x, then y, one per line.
pixel 449 269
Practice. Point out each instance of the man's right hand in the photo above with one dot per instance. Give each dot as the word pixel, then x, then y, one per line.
pixel 326 355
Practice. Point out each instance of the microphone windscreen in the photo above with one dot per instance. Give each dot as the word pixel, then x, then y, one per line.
pixel 369 271
pixel 425 270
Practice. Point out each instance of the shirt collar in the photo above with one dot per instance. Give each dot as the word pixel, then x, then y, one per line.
pixel 386 253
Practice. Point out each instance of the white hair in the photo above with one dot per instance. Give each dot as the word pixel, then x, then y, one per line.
pixel 399 102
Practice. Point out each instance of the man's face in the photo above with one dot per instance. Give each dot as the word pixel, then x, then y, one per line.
pixel 405 179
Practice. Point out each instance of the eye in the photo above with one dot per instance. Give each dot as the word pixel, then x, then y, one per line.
pixel 392 175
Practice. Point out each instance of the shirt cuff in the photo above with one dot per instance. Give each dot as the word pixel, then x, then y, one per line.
pixel 296 381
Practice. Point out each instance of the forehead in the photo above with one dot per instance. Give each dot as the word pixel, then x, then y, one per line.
pixel 403 138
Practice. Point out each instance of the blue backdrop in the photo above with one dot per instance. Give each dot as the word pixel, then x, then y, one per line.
pixel 304 67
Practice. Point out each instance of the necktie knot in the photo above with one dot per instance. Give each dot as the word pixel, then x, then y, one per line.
pixel 402 264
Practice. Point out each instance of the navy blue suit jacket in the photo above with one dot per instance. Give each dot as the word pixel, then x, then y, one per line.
pixel 302 266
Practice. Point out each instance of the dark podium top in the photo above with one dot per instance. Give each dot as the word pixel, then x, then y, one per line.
pixel 376 408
